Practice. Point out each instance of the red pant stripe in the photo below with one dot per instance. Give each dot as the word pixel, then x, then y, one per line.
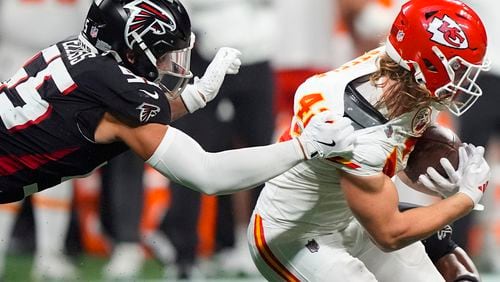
pixel 266 253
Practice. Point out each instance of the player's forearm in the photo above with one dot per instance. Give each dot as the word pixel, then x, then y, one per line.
pixel 177 108
pixel 183 160
pixel 189 101
pixel 419 223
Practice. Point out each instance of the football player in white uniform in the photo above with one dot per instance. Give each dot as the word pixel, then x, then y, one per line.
pixel 338 219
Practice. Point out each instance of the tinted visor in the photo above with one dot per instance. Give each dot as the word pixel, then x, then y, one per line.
pixel 176 63
pixel 174 70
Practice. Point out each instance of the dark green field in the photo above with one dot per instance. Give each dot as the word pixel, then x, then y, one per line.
pixel 18 269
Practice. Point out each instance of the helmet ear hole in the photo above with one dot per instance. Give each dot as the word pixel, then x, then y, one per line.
pixel 431 67
pixel 430 14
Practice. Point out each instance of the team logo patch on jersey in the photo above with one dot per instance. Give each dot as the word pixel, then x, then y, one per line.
pixel 147 111
pixel 421 120
pixel 312 246
pixel 146 17
pixel 447 32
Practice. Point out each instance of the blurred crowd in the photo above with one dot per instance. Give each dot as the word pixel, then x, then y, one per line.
pixel 129 213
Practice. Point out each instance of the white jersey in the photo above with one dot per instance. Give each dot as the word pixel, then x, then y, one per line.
pixel 308 198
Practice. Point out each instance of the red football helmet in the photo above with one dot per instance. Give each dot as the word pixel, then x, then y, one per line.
pixel 443 42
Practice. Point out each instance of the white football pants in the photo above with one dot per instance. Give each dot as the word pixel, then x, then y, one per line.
pixel 347 256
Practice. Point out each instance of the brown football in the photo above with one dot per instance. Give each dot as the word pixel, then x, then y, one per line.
pixel 435 143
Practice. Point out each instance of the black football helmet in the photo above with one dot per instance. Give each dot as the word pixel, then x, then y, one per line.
pixel 158 32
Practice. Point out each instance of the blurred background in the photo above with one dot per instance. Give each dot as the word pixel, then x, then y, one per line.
pixel 127 222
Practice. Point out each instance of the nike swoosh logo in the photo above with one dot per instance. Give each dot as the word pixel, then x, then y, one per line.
pixel 152 95
pixel 332 144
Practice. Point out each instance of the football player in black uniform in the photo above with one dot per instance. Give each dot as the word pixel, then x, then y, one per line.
pixel 116 87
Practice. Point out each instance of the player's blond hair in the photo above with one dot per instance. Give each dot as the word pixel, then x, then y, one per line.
pixel 402 93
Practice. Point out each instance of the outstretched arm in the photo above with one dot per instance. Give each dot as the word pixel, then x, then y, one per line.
pixel 183 160
pixel 180 158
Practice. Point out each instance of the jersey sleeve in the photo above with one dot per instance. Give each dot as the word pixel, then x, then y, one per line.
pixel 368 157
pixel 317 94
pixel 377 149
pixel 118 91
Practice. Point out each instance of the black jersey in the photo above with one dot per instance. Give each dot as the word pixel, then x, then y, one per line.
pixel 50 108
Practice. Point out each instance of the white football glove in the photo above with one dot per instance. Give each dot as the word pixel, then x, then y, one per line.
pixel 446 187
pixel 476 175
pixel 327 135
pixel 471 177
pixel 204 89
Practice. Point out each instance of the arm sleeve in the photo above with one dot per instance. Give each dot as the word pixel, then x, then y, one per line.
pixel 183 160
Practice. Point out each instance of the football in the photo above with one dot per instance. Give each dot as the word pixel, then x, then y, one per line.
pixel 435 143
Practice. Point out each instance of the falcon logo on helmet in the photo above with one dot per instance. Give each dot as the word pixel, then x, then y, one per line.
pixel 447 32
pixel 145 17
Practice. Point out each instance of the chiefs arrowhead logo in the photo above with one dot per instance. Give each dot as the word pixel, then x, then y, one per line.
pixel 146 17
pixel 447 32
pixel 147 111
pixel 420 120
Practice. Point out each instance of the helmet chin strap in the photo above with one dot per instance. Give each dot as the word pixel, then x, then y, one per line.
pixel 145 49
